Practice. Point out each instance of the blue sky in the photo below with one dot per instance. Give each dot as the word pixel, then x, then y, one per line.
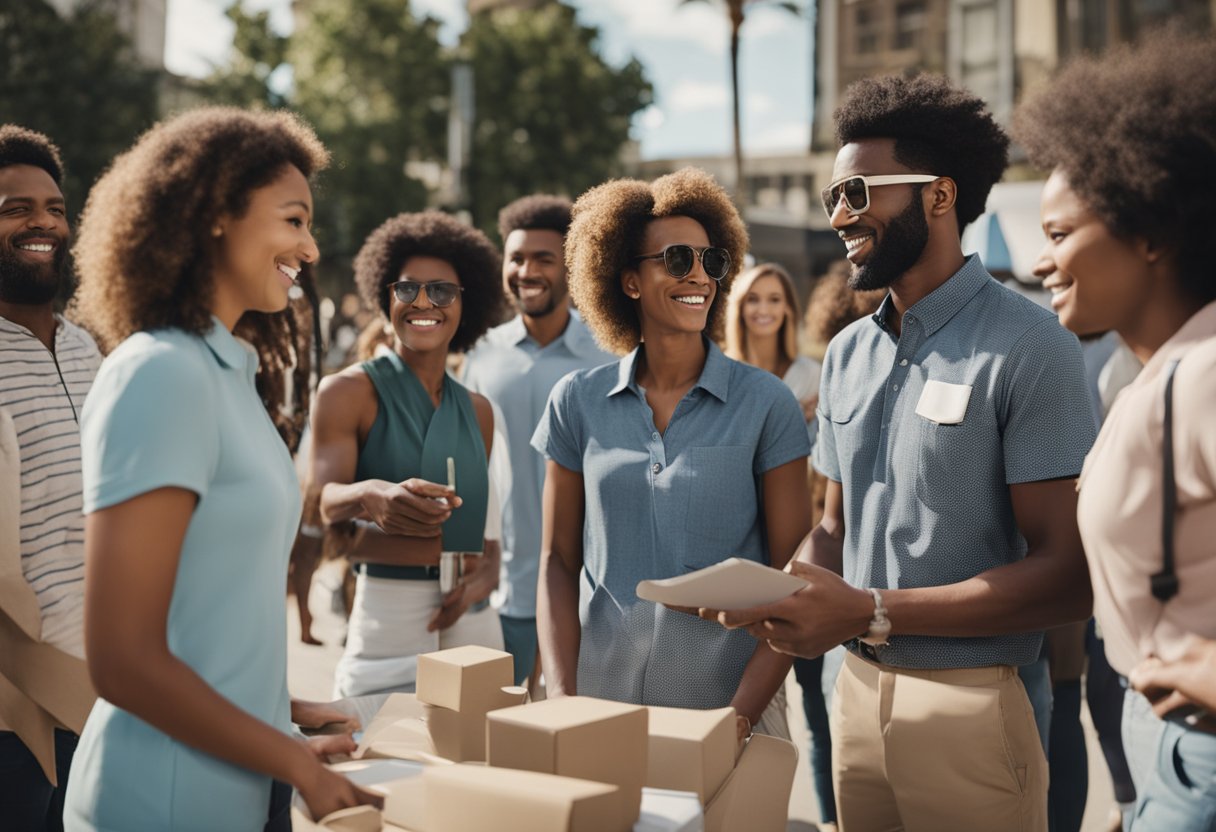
pixel 684 50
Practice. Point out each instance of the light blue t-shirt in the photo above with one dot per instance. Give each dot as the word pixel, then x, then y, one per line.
pixel 926 480
pixel 171 409
pixel 515 372
pixel 660 505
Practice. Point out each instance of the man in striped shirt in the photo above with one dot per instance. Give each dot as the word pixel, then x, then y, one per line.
pixel 46 368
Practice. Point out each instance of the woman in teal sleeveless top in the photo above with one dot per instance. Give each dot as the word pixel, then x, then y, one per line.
pixel 391 433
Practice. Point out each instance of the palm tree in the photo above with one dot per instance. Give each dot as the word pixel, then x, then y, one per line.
pixel 736 10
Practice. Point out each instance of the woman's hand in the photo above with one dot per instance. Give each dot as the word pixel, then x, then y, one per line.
pixel 325 791
pixel 325 746
pixel 1188 682
pixel 415 508
pixel 316 715
pixel 480 579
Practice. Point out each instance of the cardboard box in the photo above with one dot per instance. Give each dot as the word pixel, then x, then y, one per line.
pixel 690 750
pixel 668 811
pixel 472 798
pixel 576 736
pixel 464 679
pixel 407 729
pixel 756 795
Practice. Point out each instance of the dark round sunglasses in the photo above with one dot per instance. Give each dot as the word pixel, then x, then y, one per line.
pixel 439 293
pixel 679 258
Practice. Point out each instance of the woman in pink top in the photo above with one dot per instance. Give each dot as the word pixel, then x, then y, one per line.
pixel 1128 212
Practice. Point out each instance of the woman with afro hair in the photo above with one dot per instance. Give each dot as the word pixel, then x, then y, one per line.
pixel 1130 139
pixel 672 459
pixel 389 434
pixel 190 494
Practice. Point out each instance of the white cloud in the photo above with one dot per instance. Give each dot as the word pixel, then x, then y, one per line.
pixel 758 103
pixel 197 36
pixel 699 23
pixel 689 96
pixel 794 136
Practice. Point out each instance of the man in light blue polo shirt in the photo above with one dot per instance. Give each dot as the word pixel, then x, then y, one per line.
pixel 952 425
pixel 516 365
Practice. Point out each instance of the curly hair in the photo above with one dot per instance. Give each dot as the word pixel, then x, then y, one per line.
pixel 435 234
pixel 1134 133
pixel 938 128
pixel 538 211
pixel 20 146
pixel 608 225
pixel 833 305
pixel 144 250
pixel 736 329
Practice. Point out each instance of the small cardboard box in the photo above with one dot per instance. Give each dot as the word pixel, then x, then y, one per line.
pixel 464 679
pixel 576 736
pixel 472 798
pixel 756 795
pixel 407 729
pixel 690 750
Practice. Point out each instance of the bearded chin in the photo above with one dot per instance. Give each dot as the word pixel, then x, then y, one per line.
pixel 902 245
pixel 27 284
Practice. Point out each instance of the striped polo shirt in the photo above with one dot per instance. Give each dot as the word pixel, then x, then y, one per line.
pixel 44 394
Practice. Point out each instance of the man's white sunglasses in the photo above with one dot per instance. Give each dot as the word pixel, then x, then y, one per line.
pixel 856 190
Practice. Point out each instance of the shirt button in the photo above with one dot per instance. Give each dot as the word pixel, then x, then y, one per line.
pixel 894 386
pixel 654 435
pixel 903 362
pixel 656 468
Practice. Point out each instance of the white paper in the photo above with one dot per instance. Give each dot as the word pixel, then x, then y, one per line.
pixel 733 584
pixel 664 810
pixel 943 403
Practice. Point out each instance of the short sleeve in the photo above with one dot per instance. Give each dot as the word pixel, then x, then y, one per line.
pixel 784 437
pixel 149 422
pixel 1048 425
pixel 824 459
pixel 1194 404
pixel 558 436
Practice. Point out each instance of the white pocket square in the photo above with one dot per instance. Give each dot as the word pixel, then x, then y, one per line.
pixel 943 403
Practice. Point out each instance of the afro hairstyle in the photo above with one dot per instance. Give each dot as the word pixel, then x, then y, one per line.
pixel 442 236
pixel 538 211
pixel 1134 133
pixel 607 229
pixel 938 129
pixel 19 146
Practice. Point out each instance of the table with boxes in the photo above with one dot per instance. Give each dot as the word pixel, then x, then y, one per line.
pixel 467 753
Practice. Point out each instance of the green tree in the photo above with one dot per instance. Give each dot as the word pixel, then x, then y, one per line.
pixel 373 80
pixel 736 12
pixel 258 52
pixel 76 79
pixel 551 114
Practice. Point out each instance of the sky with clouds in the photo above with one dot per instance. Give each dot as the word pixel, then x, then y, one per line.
pixel 683 47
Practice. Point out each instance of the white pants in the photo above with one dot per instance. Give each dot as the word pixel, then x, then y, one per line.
pixel 387 631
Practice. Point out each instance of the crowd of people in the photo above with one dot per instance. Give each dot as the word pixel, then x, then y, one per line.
pixel 936 475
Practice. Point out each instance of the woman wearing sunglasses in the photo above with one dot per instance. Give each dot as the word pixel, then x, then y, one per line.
pixel 1128 249
pixel 191 496
pixel 670 460
pixel 391 433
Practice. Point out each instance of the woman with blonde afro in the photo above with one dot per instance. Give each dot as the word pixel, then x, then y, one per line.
pixel 190 495
pixel 670 460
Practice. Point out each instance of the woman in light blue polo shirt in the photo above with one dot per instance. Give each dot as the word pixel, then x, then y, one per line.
pixel 672 459
pixel 191 496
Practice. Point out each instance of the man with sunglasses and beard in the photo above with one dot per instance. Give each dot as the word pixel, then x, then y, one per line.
pixel 47 366
pixel 952 426
pixel 515 365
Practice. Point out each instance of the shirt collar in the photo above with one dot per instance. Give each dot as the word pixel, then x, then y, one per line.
pixel 937 308
pixel 227 349
pixel 714 378
pixel 576 337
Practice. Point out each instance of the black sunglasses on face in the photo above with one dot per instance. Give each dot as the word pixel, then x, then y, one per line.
pixel 439 293
pixel 679 258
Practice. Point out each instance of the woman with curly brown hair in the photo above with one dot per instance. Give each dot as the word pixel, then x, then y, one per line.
pixel 191 498
pixel 672 459
pixel 1128 212
pixel 388 436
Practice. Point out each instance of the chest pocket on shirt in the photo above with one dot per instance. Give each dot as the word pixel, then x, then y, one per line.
pixel 721 502
pixel 954 447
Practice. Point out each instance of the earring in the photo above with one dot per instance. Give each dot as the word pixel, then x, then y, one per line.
pixel 217 231
pixel 634 295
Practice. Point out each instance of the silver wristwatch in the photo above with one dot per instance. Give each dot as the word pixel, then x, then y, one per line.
pixel 880 625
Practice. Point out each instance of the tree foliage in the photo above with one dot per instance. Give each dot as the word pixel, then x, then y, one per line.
pixel 77 80
pixel 551 114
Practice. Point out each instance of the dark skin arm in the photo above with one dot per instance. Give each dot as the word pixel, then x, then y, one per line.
pixel 408 518
pixel 132 554
pixel 561 559
pixel 1187 682
pixel 1049 587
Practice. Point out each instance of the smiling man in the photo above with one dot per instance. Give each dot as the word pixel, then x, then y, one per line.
pixel 516 365
pixel 952 425
pixel 47 366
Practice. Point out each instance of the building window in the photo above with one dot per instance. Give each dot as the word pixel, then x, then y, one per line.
pixel 980 50
pixel 866 27
pixel 909 23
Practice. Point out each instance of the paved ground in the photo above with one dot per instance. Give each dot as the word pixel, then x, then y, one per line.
pixel 310 676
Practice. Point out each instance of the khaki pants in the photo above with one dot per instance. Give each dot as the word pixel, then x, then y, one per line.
pixel 935 751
